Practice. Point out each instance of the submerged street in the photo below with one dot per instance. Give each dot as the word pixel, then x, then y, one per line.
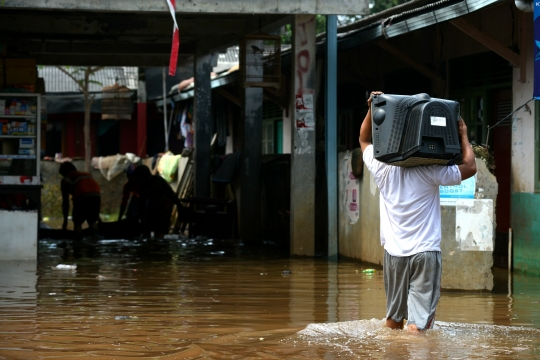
pixel 200 298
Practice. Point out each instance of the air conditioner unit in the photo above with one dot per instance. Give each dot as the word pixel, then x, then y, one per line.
pixel 415 130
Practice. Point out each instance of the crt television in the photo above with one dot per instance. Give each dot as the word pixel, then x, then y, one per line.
pixel 415 130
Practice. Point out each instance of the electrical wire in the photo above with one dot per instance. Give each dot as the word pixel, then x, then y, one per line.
pixel 504 118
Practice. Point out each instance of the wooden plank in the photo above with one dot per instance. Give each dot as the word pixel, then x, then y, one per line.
pixel 486 40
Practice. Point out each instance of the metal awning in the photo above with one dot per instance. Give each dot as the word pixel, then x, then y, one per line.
pixel 188 94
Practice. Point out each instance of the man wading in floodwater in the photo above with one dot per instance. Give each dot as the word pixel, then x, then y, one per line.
pixel 410 214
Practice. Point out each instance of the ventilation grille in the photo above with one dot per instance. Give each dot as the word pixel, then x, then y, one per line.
pixel 504 107
pixel 400 118
pixel 411 135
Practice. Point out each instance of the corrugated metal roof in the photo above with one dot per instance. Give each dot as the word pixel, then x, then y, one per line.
pixel 231 56
pixel 411 20
pixel 431 14
pixel 58 82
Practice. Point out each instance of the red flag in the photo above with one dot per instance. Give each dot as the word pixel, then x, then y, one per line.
pixel 175 40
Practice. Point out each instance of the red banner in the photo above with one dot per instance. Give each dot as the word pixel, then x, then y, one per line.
pixel 175 48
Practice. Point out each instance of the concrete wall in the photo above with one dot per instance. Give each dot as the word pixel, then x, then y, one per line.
pixel 19 235
pixel 360 240
pixel 526 232
pixel 525 209
pixel 462 269
pixel 51 198
pixel 465 269
pixel 523 130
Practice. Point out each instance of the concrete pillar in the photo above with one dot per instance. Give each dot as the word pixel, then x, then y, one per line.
pixel 202 113
pixel 331 135
pixel 303 137
pixel 141 115
pixel 250 166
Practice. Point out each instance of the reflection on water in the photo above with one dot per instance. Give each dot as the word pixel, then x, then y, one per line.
pixel 201 298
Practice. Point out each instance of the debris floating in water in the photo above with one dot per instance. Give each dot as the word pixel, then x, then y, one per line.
pixel 286 272
pixel 64 267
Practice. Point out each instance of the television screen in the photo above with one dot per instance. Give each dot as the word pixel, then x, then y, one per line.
pixel 415 130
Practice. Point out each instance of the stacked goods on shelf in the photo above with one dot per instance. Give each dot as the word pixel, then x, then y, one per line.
pixel 27 146
pixel 20 126
pixel 19 142
pixel 17 107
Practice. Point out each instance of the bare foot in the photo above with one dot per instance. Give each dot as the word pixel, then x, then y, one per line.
pixel 412 329
pixel 394 324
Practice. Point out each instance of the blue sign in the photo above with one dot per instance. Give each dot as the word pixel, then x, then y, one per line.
pixel 536 91
pixel 465 190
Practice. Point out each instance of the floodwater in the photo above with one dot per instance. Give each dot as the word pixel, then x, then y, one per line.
pixel 207 299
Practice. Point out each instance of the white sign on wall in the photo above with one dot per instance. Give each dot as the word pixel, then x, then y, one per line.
pixel 474 224
pixel 465 190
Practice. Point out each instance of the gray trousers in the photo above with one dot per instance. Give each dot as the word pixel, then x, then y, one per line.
pixel 413 287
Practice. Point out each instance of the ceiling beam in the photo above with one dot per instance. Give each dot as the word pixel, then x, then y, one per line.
pixel 421 68
pixel 200 6
pixel 106 26
pixel 486 40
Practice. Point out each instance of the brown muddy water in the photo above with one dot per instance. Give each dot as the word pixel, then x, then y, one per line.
pixel 207 299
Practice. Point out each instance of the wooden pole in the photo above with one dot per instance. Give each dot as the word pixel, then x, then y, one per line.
pixel 164 81
pixel 510 250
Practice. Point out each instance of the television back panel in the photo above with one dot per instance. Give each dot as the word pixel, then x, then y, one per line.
pixel 415 130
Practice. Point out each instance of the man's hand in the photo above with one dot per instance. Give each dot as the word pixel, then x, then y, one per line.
pixel 462 128
pixel 365 129
pixel 370 98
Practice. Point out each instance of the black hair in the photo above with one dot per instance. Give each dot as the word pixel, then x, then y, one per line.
pixel 141 172
pixel 66 168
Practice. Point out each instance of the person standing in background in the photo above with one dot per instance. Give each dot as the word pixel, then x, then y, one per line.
pixel 85 194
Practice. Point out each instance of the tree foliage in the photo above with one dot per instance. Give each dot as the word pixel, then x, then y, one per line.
pixel 320 27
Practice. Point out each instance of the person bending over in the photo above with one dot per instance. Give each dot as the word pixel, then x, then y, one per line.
pixel 85 194
pixel 156 201
pixel 410 214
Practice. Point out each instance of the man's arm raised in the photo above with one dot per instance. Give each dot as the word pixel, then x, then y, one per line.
pixel 468 166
